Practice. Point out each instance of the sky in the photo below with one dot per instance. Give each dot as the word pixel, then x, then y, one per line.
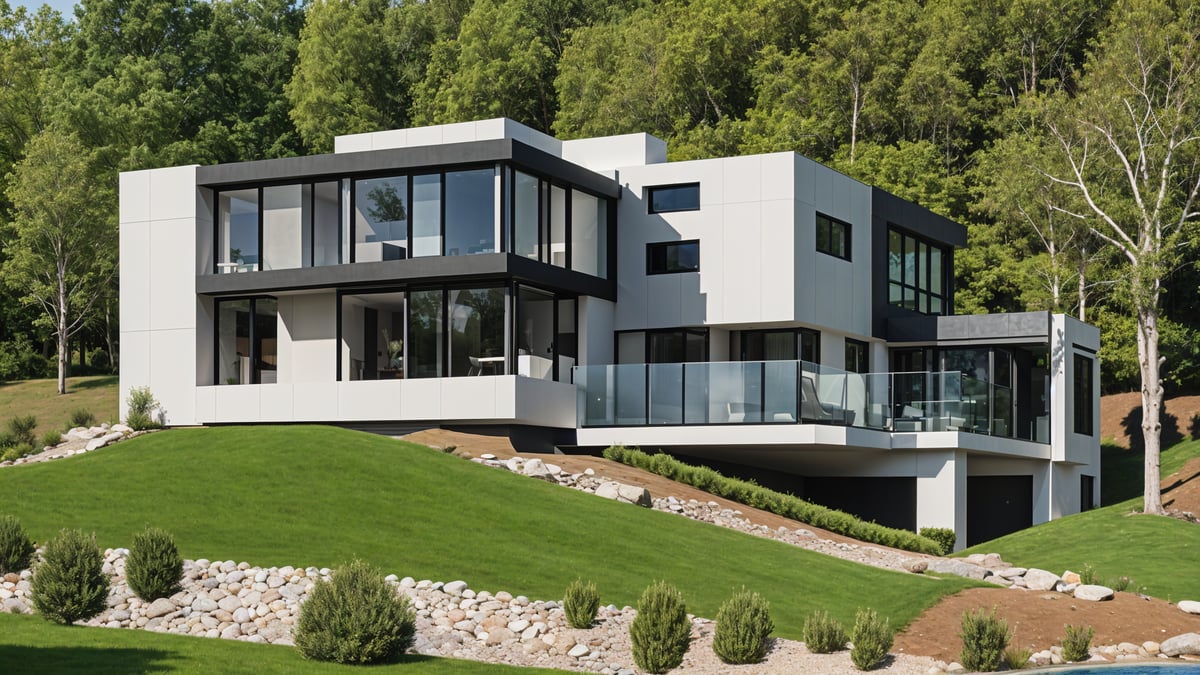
pixel 67 7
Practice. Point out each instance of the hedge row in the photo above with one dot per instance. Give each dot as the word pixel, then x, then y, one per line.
pixel 759 497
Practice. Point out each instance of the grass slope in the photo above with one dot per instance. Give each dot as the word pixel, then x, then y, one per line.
pixel 1122 470
pixel 306 495
pixel 31 645
pixel 40 398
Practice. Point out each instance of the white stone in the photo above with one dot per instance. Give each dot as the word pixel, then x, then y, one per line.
pixel 578 651
pixel 455 588
pixel 1188 643
pixel 536 468
pixel 1093 593
pixel 1189 606
pixel 160 607
pixel 1040 580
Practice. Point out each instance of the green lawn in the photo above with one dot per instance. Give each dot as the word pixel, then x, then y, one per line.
pixel 308 495
pixel 40 398
pixel 29 644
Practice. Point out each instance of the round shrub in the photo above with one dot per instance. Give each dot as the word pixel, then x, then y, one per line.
pixel 98 360
pixel 70 584
pixel 16 550
pixel 580 603
pixel 153 568
pixel 660 632
pixel 51 438
pixel 743 624
pixel 872 639
pixel 984 636
pixel 823 634
pixel 21 428
pixel 82 417
pixel 357 617
pixel 142 405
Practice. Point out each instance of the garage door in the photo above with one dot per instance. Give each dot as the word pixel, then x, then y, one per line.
pixel 997 505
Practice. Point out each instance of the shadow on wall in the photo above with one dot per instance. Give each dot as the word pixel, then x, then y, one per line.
pixel 1171 433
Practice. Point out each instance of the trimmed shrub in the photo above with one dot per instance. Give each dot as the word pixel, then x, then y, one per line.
pixel 142 405
pixel 788 506
pixel 153 568
pixel 69 584
pixel 51 438
pixel 984 636
pixel 580 603
pixel 1076 643
pixel 660 631
pixel 21 428
pixel 944 537
pixel 82 417
pixel 16 550
pixel 357 617
pixel 743 624
pixel 1016 658
pixel 872 639
pixel 824 634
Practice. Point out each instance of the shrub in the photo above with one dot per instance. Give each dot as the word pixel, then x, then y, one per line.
pixel 98 360
pixel 659 633
pixel 16 452
pixel 82 417
pixel 1088 575
pixel 743 624
pixel 70 584
pixel 21 428
pixel 358 617
pixel 943 536
pixel 984 638
pixel 51 438
pixel 7 439
pixel 580 603
pixel 824 634
pixel 153 568
pixel 142 405
pixel 1075 644
pixel 872 639
pixel 1120 584
pixel 1016 658
pixel 16 550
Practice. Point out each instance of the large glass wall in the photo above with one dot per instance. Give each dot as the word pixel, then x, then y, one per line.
pixel 916 274
pixel 427 215
pixel 327 226
pixel 237 231
pixel 470 212
pixel 476 321
pixel 287 226
pixel 425 342
pixel 526 215
pixel 301 226
pixel 381 219
pixel 589 234
pixel 247 345
pixel 535 333
pixel 373 336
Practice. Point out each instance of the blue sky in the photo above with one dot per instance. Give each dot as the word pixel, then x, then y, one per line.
pixel 67 7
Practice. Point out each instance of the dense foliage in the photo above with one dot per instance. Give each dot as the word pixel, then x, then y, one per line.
pixel 743 625
pixel 1077 642
pixel 872 638
pixel 16 550
pixel 660 632
pixel 69 584
pixel 985 637
pixel 824 634
pixel 580 603
pixel 154 567
pixel 357 617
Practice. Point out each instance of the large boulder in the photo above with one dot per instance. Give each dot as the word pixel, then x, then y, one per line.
pixel 957 567
pixel 1188 643
pixel 1040 580
pixel 635 495
pixel 536 468
pixel 1093 592
pixel 1189 606
pixel 160 607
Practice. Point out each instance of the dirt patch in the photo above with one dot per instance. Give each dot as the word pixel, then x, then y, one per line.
pixel 1037 620
pixel 1121 419
pixel 1181 492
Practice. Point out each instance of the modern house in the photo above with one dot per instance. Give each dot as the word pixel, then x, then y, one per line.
pixel 764 314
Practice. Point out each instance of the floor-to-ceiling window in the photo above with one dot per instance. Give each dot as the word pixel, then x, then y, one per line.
pixel 476 323
pixel 425 333
pixel 381 209
pixel 470 212
pixel 247 349
pixel 427 215
pixel 237 231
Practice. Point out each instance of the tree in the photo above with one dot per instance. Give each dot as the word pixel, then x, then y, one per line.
pixel 1129 142
pixel 61 251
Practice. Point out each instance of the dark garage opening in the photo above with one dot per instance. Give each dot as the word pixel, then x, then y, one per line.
pixel 998 505
pixel 887 501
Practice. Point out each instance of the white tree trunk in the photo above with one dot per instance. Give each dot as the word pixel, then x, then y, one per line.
pixel 63 344
pixel 1152 394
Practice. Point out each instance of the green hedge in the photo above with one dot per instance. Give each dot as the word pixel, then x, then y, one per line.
pixel 750 494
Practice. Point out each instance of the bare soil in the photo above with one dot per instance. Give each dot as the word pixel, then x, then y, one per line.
pixel 1121 419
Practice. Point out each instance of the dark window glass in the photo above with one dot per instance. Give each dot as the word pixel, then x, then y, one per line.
pixel 916 272
pixel 470 212
pixel 810 345
pixel 1083 395
pixel 669 198
pixel 477 332
pixel 833 236
pixel 1087 489
pixel 425 333
pixel 673 256
pixel 856 356
pixel 246 341
pixel 682 345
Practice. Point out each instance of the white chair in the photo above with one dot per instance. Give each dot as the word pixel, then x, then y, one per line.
pixel 476 367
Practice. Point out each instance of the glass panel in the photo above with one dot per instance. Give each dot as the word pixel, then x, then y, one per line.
pixel 631 347
pixel 779 391
pixel 695 393
pixel 695 347
pixel 910 261
pixel 535 334
pixel 326 224
pixel 233 342
pixel 381 219
pixel 470 212
pixel 629 388
pixel 895 256
pixel 566 345
pixel 1002 411
pixel 425 333
pixel 823 233
pixel 585 233
pixel 935 305
pixel 666 393
pixel 477 332
pixel 810 346
pixel 666 347
pixel 237 245
pixel 895 293
pixel 266 350
pixel 837 239
pixel 922 281
pixel 285 232
pixel 525 201
pixel 735 392
pixel 779 346
pixel 558 226
pixel 427 215
pixel 935 270
pixel 670 198
pixel 373 330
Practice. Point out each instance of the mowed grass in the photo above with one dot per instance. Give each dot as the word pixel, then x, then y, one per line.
pixel 1159 553
pixel 41 399
pixel 29 644
pixel 309 495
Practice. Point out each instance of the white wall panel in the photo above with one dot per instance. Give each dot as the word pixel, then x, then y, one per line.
pixel 777 180
pixel 422 399
pixel 369 400
pixel 135 196
pixel 470 397
pixel 275 403
pixel 173 373
pixel 663 292
pixel 135 363
pixel 172 274
pixel 313 331
pixel 352 143
pixel 173 193
pixel 741 243
pixel 742 179
pixel 461 132
pixel 135 275
pixel 236 403
pixel 206 405
pixel 316 402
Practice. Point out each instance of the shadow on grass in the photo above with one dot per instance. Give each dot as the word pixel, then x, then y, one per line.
pixel 85 659
pixel 1120 473
pixel 93 382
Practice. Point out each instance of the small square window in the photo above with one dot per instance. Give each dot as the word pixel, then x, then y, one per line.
pixel 672 257
pixel 833 237
pixel 671 198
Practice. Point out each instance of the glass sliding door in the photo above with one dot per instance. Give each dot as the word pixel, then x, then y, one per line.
pixel 327 227
pixel 427 215
pixel 237 231
pixel 425 331
pixel 233 342
pixel 381 219
pixel 476 323
pixel 470 212
pixel 535 333
pixel 266 344
pixel 526 215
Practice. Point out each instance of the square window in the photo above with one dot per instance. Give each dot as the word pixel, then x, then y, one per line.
pixel 833 237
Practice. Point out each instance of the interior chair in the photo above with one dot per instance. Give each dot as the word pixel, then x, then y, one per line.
pixel 476 367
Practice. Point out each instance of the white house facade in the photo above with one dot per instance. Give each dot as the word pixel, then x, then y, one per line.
pixel 765 315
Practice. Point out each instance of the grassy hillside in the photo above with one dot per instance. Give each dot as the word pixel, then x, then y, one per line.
pixel 1121 470
pixel 40 398
pixel 306 495
pixel 31 645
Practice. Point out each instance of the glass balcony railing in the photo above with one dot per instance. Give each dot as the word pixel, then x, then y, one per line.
pixel 790 392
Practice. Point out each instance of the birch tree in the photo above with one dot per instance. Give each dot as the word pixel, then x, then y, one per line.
pixel 1129 145
pixel 61 251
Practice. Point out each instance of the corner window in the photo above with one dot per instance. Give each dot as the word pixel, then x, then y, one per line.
pixel 1083 397
pixel 916 274
pixel 672 257
pixel 856 356
pixel 671 198
pixel 833 237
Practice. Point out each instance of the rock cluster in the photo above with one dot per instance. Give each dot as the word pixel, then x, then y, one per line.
pixel 79 440
pixel 991 568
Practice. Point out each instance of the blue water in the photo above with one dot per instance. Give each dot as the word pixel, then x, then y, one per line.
pixel 1134 669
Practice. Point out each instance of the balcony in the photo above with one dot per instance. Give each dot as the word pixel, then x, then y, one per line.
pixel 796 392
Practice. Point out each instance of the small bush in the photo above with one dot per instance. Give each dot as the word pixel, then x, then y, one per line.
pixel 7 439
pixel 142 405
pixel 823 634
pixel 70 584
pixel 357 617
pixel 944 537
pixel 153 568
pixel 1088 575
pixel 20 429
pixel 743 624
pixel 51 438
pixel 1016 658
pixel 984 636
pixel 1120 584
pixel 1075 644
pixel 659 633
pixel 16 550
pixel 99 361
pixel 16 452
pixel 82 417
pixel 580 603
pixel 872 639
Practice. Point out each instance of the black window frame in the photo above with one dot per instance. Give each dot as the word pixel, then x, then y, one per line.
pixel 863 364
pixel 652 189
pixel 1083 393
pixel 922 286
pixel 252 341
pixel 665 247
pixel 828 228
pixel 799 335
